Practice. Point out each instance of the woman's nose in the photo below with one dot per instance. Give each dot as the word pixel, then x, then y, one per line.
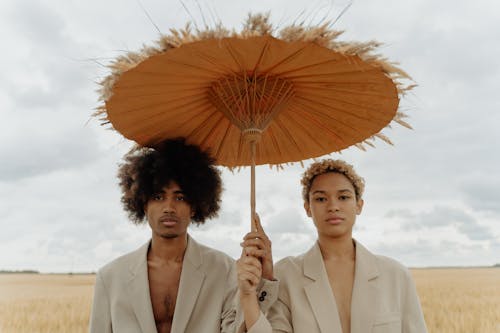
pixel 333 205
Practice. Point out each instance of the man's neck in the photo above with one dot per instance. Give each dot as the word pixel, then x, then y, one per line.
pixel 168 249
pixel 341 248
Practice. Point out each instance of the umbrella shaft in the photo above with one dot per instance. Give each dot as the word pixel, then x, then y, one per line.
pixel 252 187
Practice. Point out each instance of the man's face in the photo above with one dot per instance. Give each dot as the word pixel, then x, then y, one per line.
pixel 168 212
pixel 333 205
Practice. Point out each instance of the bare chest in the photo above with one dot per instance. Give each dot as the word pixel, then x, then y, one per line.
pixel 163 288
pixel 341 278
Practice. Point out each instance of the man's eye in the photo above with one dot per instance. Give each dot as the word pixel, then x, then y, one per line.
pixel 320 199
pixel 344 197
pixel 157 197
pixel 180 198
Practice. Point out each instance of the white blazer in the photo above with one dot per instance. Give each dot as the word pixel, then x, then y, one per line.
pixel 206 299
pixel 384 298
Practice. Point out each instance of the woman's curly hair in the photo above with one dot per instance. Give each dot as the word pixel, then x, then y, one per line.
pixel 336 166
pixel 146 171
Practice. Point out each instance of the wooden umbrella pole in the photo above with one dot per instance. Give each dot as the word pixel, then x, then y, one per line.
pixel 253 143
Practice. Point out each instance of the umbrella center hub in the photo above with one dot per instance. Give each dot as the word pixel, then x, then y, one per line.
pixel 251 100
pixel 252 134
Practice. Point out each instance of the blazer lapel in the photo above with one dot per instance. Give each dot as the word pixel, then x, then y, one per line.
pixel 192 277
pixel 138 290
pixel 319 292
pixel 364 295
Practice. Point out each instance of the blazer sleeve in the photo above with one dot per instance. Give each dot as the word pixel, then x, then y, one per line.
pixel 278 320
pixel 230 319
pixel 413 317
pixel 267 294
pixel 100 317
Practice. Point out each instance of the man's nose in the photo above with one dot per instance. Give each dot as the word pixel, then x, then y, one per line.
pixel 168 205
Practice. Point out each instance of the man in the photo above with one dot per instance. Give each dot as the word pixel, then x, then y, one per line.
pixel 172 283
pixel 338 285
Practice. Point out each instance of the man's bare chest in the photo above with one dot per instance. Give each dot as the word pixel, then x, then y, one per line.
pixel 163 288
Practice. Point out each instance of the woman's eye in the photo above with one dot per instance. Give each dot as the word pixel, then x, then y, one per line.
pixel 320 199
pixel 344 197
pixel 157 197
pixel 180 198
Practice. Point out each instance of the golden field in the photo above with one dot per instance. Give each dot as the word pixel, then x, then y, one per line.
pixel 41 303
pixel 454 301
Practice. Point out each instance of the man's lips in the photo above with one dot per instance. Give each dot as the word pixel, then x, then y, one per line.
pixel 334 220
pixel 168 221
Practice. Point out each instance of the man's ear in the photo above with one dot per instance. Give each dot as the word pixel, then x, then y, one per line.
pixel 359 205
pixel 307 208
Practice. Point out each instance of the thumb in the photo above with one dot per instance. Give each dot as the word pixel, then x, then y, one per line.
pixel 258 225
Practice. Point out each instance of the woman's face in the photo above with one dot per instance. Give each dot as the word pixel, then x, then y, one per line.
pixel 332 205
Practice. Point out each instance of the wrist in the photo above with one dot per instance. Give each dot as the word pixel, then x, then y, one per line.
pixel 248 298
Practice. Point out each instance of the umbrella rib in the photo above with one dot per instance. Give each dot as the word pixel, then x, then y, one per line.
pixel 319 124
pixel 274 142
pixel 287 133
pixel 194 92
pixel 211 133
pixel 218 64
pixel 197 67
pixel 223 140
pixel 145 126
pixel 233 55
pixel 287 58
pixel 314 98
pixel 202 124
pixel 354 129
pixel 322 125
pixel 374 112
pixel 159 104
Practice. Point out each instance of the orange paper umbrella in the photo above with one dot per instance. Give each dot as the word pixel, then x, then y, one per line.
pixel 254 98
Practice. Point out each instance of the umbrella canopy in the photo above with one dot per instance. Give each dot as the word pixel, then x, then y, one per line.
pixel 298 95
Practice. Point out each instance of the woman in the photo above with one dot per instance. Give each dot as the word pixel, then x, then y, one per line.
pixel 338 285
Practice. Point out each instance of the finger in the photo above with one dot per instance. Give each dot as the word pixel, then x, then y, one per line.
pixel 248 261
pixel 255 242
pixel 249 277
pixel 254 252
pixel 258 225
pixel 255 234
pixel 244 269
pixel 257 271
pixel 251 261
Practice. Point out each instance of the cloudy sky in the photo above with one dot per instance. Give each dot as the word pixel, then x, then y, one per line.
pixel 431 199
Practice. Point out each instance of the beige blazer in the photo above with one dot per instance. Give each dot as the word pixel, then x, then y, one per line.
pixel 206 300
pixel 384 298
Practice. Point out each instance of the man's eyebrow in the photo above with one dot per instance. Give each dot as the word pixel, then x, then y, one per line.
pixel 345 190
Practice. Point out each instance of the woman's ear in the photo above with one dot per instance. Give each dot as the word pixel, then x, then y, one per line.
pixel 359 205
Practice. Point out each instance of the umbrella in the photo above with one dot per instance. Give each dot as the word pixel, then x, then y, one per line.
pixel 255 97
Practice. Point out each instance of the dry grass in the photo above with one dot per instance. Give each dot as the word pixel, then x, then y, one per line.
pixel 38 303
pixel 454 301
pixel 460 300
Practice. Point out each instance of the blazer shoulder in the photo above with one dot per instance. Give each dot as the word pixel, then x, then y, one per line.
pixel 122 264
pixel 393 267
pixel 289 264
pixel 212 256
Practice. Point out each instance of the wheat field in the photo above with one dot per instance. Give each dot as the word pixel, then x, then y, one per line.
pixel 453 300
